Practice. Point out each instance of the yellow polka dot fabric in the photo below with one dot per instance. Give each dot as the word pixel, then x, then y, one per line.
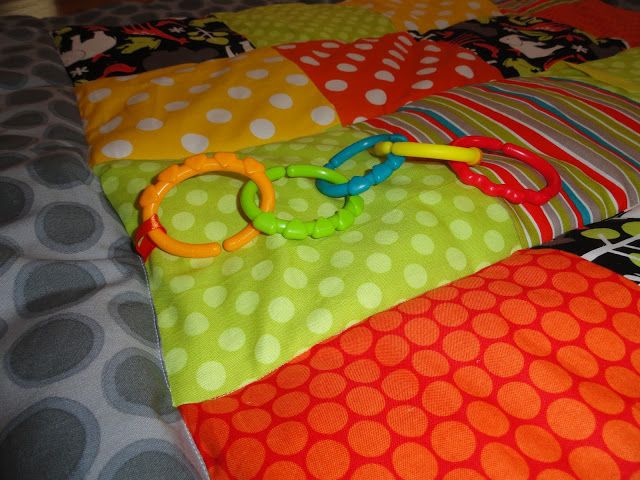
pixel 218 105
pixel 428 14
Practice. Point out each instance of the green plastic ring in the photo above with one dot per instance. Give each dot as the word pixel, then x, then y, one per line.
pixel 269 223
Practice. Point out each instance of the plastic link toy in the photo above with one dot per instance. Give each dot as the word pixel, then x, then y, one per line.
pixel 269 223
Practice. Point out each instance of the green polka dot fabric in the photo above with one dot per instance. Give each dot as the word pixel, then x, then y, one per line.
pixel 229 320
pixel 298 22
pixel 619 73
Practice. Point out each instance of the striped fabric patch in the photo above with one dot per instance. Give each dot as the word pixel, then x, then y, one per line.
pixel 590 135
pixel 529 6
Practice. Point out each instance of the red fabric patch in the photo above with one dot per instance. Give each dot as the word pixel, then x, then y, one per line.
pixel 527 369
pixel 374 76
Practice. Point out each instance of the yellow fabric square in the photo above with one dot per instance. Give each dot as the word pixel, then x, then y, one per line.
pixel 428 14
pixel 219 105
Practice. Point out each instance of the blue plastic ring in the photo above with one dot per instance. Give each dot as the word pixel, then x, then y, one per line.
pixel 361 183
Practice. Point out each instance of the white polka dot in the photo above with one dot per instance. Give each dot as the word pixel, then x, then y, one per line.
pixel 369 295
pixel 281 101
pixel 461 229
pixel 219 115
pixel 297 79
pixel 422 244
pixel 262 128
pixel 149 124
pixel 427 71
pixel 376 96
pixel 352 236
pixel 168 317
pixel 295 278
pixel 215 231
pixel 247 302
pixel 175 360
pixel 211 376
pixel 422 85
pixel 456 258
pixel 441 23
pixel 393 217
pixel 336 85
pixel 429 47
pixel 473 5
pixel 175 106
pixel 194 143
pixel 406 40
pixel 463 203
pixel 200 262
pixel 397 55
pixel 281 309
pixel 331 287
pixel 494 240
pixel 183 221
pixel 186 70
pixel 430 197
pixel 359 119
pixel 444 13
pixel 385 75
pixel 272 59
pixel 181 283
pixel 309 60
pixel 199 88
pixel 163 81
pixel 330 45
pixel 386 237
pixel 125 78
pixel 409 25
pixel 275 241
pixel 239 93
pixel 415 275
pixel 391 63
pixel 433 180
pixel 466 56
pixel 379 262
pixel 257 74
pixel 267 349
pixel 215 296
pixel 298 204
pixel 195 324
pixel 307 253
pixel 227 203
pixel 219 73
pixel 197 197
pixel 136 185
pixel 342 259
pixel 323 115
pixel 320 54
pixel 347 67
pixel 319 321
pixel 232 265
pixel 355 57
pixel 497 213
pixel 429 60
pixel 232 339
pixel 396 194
pixel 417 13
pixel 99 95
pixel 117 149
pixel 111 125
pixel 363 46
pixel 138 98
pixel 262 270
pixel 464 71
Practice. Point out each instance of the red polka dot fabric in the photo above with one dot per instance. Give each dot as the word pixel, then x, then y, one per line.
pixel 528 369
pixel 374 76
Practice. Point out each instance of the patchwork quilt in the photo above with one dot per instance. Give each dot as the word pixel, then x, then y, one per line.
pixel 426 324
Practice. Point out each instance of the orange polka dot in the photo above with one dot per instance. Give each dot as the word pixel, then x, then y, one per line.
pixel 612 294
pixel 283 470
pixel 444 293
pixel 453 441
pixel 577 361
pixel 501 462
pixel 370 471
pixel 328 460
pixel 415 306
pixel 530 276
pixel 220 405
pixel 401 384
pixel 545 297
pixel 327 418
pixel 504 288
pixel 569 282
pixel 518 258
pixel 627 325
pixel 570 419
pixel 587 309
pixel 520 312
pixel 356 340
pixel 554 474
pixel 385 321
pixel 623 439
pixel 469 282
pixel 463 474
pixel 258 394
pixel 635 360
pixel 537 443
pixel 407 420
pixel 212 436
pixel 533 342
pixel 430 363
pixel 549 377
pixel 623 381
pixel 292 376
pixel 560 326
pixel 450 314
pixel 369 438
pixel 251 420
pixel 591 463
pixel 412 461
pixel 592 270
pixel 553 261
pixel 605 344
pixel 391 350
pixel 363 371
pixel 487 419
pixel 461 345
pixel 441 398
pixel 422 331
pixel 327 358
pixel 503 359
pixel 474 381
pixel 245 457
pixel 478 300
pixel 519 400
pixel 327 385
pixel 635 411
pixel 490 325
pixel 287 438
pixel 365 401
pixel 290 404
pixel 601 398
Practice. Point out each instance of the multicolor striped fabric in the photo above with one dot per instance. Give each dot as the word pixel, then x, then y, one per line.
pixel 590 135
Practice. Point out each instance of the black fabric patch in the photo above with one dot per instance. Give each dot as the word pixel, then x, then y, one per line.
pixel 97 51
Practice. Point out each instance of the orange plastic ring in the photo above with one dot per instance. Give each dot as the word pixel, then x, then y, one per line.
pixel 152 196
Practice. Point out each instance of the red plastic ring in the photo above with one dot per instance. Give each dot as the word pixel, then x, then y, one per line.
pixel 512 192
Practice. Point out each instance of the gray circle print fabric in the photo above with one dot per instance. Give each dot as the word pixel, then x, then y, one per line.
pixel 83 392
